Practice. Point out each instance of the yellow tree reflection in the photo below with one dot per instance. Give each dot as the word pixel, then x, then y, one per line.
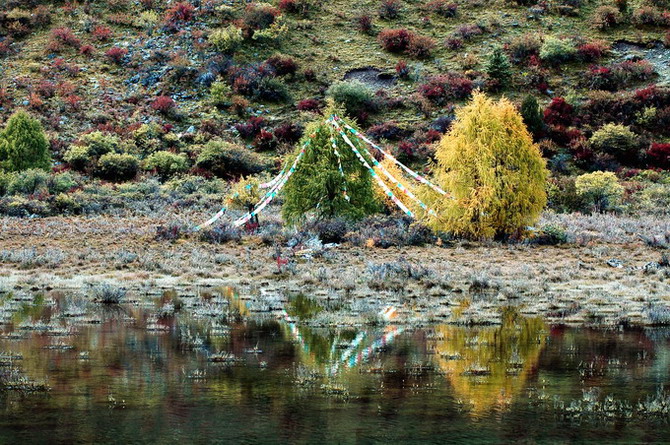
pixel 488 366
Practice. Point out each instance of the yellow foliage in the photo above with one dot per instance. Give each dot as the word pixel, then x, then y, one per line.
pixel 493 170
pixel 397 173
pixel 246 193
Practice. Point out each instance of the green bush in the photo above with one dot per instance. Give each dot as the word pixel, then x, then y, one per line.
pixel 354 96
pixel 23 144
pixel 555 51
pixel 189 184
pixel 78 157
pixel 226 40
pixel 148 138
pixel 99 143
pixel 549 235
pixel 219 94
pixel 225 159
pixel 62 182
pixel 6 179
pixel 117 167
pixel 562 196
pixel 29 182
pixel 272 89
pixel 166 164
pixel 615 139
pixel 600 190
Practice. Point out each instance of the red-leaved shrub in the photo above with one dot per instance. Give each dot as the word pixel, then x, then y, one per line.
pixel 116 54
pixel 559 113
pixel 163 104
pixel 659 156
pixel 395 40
pixel 312 105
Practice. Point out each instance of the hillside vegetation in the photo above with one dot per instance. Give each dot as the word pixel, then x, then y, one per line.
pixel 177 98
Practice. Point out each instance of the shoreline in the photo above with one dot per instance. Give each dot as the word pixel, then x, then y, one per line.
pixel 465 283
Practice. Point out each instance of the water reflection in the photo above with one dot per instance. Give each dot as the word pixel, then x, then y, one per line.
pixel 217 366
pixel 488 366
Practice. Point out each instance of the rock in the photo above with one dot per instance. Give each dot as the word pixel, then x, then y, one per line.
pixel 613 262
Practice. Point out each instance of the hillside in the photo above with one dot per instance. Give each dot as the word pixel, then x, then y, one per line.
pixel 140 77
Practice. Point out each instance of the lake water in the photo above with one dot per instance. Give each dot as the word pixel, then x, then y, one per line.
pixel 132 373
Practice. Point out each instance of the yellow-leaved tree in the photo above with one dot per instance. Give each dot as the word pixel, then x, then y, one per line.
pixel 494 172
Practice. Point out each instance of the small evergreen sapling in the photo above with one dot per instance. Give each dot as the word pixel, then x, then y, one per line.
pixel 499 68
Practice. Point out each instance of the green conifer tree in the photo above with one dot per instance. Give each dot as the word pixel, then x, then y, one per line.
pixel 492 169
pixel 318 186
pixel 532 116
pixel 23 144
pixel 498 68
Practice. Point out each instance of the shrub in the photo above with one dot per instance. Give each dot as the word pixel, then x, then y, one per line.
pixel 364 24
pixel 180 12
pixel 65 36
pixel 226 40
pixel 658 156
pixel 282 66
pixel 29 182
pixel 389 231
pixel 250 128
pixel 221 234
pixel 524 46
pixel 420 47
pixel 265 141
pixel 318 186
pixel 390 9
pixel 606 17
pixel 78 157
pixel 442 8
pixel 23 144
pixel 117 167
pixel 102 33
pixel 616 140
pixel 354 96
pixel 228 160
pixel 98 143
pixel 259 16
pixel 618 75
pixel 289 133
pixel 116 55
pixel 650 16
pixel 550 235
pixel 163 104
pixel 108 293
pixel 559 112
pixel 166 164
pixel 328 230
pixel 556 51
pixel 592 51
pixel 395 40
pixel 313 105
pixel 442 88
pixel 219 94
pixel 494 172
pixel 469 31
pixel 599 190
pixel 62 183
pixel 86 50
pixel 272 90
